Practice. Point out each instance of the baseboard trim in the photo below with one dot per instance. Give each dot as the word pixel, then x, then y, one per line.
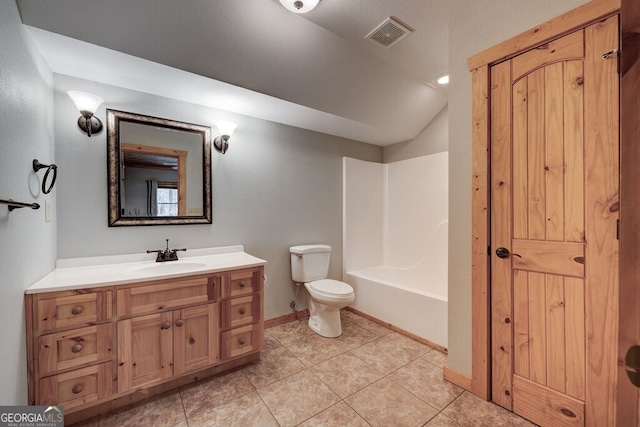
pixel 286 318
pixel 399 330
pixel 457 378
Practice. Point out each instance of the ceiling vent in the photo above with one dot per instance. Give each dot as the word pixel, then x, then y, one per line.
pixel 390 32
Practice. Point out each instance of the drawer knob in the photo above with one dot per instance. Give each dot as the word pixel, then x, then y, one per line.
pixel 242 284
pixel 242 311
pixel 179 322
pixel 166 325
pixel 77 388
pixel 77 310
pixel 76 348
pixel 242 341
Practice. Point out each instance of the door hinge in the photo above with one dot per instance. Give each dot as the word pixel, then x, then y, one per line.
pixel 617 229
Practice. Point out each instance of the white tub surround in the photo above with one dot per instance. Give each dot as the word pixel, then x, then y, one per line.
pixel 395 242
pixel 77 273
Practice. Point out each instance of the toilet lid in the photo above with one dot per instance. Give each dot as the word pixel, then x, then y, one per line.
pixel 329 286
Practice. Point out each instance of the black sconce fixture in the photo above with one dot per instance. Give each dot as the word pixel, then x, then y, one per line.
pixel 87 104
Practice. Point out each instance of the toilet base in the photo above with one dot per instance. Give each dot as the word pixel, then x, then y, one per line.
pixel 324 320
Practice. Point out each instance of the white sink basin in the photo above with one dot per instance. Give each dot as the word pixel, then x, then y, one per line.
pixel 169 267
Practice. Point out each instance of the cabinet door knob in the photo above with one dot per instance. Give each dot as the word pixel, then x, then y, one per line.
pixel 242 284
pixel 179 322
pixel 166 325
pixel 242 341
pixel 77 388
pixel 242 311
pixel 77 310
pixel 76 348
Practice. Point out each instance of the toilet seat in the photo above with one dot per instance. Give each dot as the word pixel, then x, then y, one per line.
pixel 331 288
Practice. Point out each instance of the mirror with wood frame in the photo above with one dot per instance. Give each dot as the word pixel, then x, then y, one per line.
pixel 159 170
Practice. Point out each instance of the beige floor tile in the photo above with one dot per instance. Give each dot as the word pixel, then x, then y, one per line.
pixel 271 342
pixel 386 404
pixel 165 410
pixel 425 381
pixel 436 357
pixel 245 411
pixel 274 365
pixel 383 356
pixel 290 331
pixel 296 398
pixel 406 343
pixel 442 421
pixel 209 393
pixel 313 349
pixel 345 374
pixel 471 411
pixel 339 415
pixel 374 327
pixel 354 336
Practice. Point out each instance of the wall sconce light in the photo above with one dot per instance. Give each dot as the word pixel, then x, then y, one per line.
pixel 221 142
pixel 442 79
pixel 299 6
pixel 87 104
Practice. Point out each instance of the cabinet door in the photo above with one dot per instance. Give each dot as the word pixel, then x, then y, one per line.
pixel 145 350
pixel 196 338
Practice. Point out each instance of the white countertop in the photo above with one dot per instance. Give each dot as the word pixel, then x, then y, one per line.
pixel 90 272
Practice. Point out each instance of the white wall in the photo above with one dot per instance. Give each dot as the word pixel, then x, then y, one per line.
pixel 276 186
pixel 27 242
pixel 434 138
pixel 467 37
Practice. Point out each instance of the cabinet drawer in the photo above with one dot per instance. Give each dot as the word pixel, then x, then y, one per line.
pixel 152 298
pixel 240 283
pixel 73 310
pixel 77 387
pixel 74 348
pixel 239 341
pixel 240 311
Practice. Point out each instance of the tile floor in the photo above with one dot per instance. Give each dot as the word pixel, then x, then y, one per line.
pixel 369 376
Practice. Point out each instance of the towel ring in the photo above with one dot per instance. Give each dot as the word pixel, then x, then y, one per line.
pixel 37 166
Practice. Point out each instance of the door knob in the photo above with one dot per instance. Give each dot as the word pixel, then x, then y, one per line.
pixel 632 364
pixel 504 253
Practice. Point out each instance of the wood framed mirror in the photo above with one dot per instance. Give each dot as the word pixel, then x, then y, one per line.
pixel 159 171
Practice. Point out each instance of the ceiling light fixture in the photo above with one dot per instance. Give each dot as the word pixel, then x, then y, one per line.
pixel 221 142
pixel 299 6
pixel 443 79
pixel 87 104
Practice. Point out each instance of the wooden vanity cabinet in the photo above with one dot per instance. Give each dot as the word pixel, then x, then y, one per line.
pixel 109 346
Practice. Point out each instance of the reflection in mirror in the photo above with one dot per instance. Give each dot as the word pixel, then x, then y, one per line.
pixel 159 171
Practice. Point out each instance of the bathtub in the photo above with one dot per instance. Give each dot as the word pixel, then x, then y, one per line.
pixel 381 293
pixel 395 242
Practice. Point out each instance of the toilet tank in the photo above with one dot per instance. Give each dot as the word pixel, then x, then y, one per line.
pixel 309 262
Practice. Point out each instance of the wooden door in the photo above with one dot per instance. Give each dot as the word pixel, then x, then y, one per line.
pixel 554 179
pixel 628 396
pixel 196 338
pixel 145 350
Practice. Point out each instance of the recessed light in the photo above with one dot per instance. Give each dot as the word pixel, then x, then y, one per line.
pixel 443 79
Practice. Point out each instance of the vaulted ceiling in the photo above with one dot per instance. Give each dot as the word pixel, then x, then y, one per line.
pixel 315 71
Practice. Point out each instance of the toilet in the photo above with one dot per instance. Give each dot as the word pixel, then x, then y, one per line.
pixel 310 265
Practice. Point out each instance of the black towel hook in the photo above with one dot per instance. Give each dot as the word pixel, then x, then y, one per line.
pixel 37 166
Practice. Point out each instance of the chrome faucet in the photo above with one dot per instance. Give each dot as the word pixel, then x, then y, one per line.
pixel 167 254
